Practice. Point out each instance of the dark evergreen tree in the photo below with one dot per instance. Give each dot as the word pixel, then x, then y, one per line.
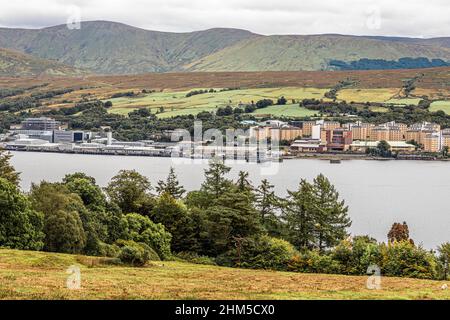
pixel 7 171
pixel 171 186
pixel 299 216
pixel 243 184
pixel 267 204
pixel 175 217
pixel 330 214
pixel 232 216
pixel 215 182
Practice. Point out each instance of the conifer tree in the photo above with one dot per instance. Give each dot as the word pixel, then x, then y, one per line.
pixel 171 186
pixel 215 182
pixel 330 213
pixel 299 216
pixel 7 171
pixel 267 204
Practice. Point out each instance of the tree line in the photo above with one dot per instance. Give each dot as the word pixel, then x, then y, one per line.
pixel 226 222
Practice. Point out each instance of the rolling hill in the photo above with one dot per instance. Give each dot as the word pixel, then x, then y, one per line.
pixel 14 63
pixel 113 48
pixel 274 53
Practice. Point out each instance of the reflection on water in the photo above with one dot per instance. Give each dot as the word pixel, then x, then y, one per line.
pixel 377 193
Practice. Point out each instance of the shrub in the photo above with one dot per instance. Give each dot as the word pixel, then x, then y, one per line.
pixel 136 253
pixel 264 103
pixel 249 108
pixel 109 250
pixel 356 256
pixel 262 252
pixel 314 262
pixel 282 101
pixel 405 259
pixel 193 257
pixel 142 229
pixel 64 232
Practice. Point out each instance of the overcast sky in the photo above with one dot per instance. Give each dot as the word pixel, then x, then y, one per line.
pixel 418 18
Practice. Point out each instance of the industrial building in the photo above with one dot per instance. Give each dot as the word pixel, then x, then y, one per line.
pixel 40 124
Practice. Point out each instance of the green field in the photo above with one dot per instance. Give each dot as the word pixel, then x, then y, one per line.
pixel 379 109
pixel 39 275
pixel 365 95
pixel 176 103
pixel 405 101
pixel 289 110
pixel 441 105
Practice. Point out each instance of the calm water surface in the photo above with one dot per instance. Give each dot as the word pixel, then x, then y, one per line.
pixel 378 193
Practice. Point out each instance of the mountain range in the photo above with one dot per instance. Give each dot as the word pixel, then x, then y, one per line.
pixel 104 47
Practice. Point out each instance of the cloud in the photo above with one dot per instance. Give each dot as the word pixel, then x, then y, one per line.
pixel 360 17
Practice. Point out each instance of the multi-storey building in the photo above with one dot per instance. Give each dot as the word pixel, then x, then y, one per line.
pixel 431 142
pixel 290 133
pixel 338 139
pixel 379 133
pixel 396 134
pixel 445 139
pixel 40 124
pixel 414 135
pixel 287 133
pixel 360 130
pixel 331 125
pixel 425 126
pixel 260 133
pixel 307 128
pixel 335 136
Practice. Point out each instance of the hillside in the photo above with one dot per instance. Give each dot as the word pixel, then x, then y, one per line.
pixel 107 47
pixel 113 48
pixel 310 53
pixel 13 63
pixel 39 275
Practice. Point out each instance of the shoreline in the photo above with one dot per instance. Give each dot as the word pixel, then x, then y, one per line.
pixel 306 156
pixel 347 156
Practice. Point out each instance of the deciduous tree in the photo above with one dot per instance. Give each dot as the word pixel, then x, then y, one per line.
pixel 130 191
pixel 63 226
pixel 21 227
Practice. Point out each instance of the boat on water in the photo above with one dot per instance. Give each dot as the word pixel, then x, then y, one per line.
pixel 335 161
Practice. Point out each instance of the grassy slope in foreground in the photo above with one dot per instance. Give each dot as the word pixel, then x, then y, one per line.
pixel 39 275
